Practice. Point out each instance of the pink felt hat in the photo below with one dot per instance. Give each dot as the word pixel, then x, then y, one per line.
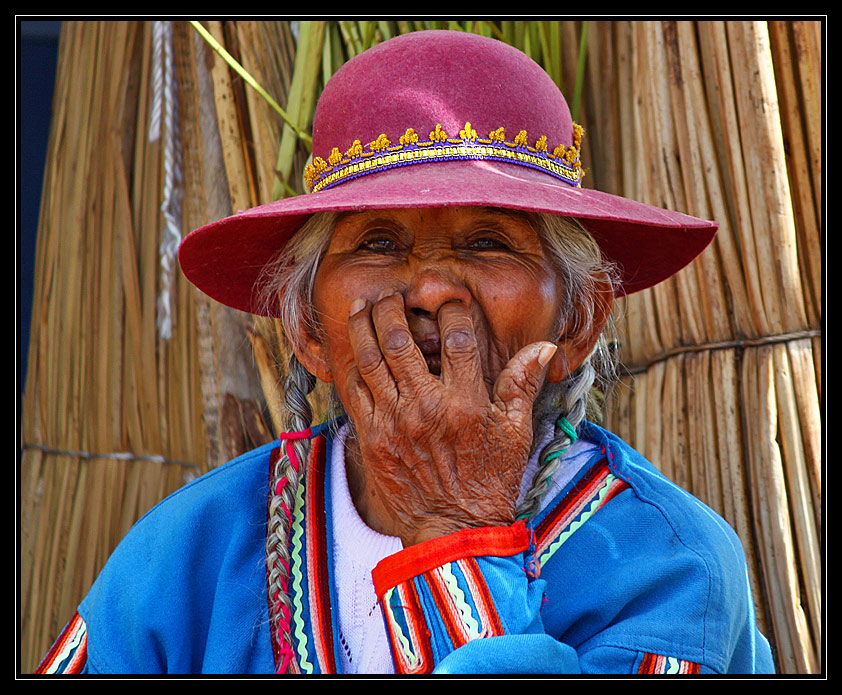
pixel 443 118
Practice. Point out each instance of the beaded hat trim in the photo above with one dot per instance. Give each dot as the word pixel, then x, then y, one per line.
pixel 562 163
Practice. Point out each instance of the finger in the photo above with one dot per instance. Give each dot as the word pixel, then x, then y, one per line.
pixel 360 401
pixel 406 363
pixel 370 362
pixel 460 359
pixel 520 381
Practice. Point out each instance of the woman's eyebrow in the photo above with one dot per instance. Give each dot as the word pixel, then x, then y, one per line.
pixel 501 214
pixel 372 215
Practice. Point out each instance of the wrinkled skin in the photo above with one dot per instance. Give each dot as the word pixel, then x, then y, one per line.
pixel 438 327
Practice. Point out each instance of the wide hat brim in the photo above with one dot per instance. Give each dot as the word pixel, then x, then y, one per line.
pixel 470 92
pixel 226 258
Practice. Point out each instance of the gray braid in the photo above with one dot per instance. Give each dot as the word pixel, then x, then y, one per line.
pixel 291 277
pixel 579 260
pixel 572 405
pixel 284 486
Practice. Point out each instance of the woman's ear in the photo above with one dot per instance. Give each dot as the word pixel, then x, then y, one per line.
pixel 311 351
pixel 575 345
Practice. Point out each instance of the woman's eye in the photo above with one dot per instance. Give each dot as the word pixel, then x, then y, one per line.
pixel 488 244
pixel 378 244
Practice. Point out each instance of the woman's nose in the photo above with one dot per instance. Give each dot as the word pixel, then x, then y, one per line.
pixel 430 288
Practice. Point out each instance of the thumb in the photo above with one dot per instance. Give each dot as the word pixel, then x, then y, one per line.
pixel 518 384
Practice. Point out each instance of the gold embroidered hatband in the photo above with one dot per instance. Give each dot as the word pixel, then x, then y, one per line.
pixel 563 162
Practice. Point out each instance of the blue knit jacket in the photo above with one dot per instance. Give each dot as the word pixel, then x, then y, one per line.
pixel 624 572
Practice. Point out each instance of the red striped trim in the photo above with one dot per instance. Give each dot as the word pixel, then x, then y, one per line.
pixel 482 597
pixel 69 653
pixel 448 612
pixel 499 541
pixel 317 557
pixel 419 635
pixel 660 664
pixel 574 503
pixel 454 622
pixel 616 489
pixel 475 585
pixel 577 498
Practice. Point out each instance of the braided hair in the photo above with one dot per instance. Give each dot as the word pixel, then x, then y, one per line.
pixel 292 277
pixel 578 259
pixel 285 478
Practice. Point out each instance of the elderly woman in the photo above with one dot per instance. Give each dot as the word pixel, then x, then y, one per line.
pixel 451 280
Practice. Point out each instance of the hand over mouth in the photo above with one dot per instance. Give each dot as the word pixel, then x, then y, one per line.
pixel 430 348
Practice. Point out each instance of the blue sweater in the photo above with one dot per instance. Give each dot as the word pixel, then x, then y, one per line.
pixel 624 572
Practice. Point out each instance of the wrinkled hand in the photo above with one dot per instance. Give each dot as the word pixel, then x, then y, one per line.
pixel 440 454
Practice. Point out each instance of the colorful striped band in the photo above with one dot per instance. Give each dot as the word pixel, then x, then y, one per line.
pixel 69 652
pixel 381 155
pixel 595 489
pixel 660 664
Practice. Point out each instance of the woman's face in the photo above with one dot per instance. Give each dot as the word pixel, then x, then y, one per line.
pixel 490 260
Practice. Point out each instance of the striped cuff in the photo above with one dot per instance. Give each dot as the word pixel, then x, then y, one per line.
pixel 658 663
pixel 435 598
pixel 69 653
pixel 497 541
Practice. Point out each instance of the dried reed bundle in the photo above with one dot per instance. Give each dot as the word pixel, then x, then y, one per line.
pixel 216 141
pixel 798 67
pixel 116 416
pixel 724 386
pixel 112 413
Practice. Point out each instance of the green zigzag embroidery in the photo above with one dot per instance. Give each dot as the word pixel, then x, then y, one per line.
pixel 405 645
pixel 459 599
pixel 587 514
pixel 298 610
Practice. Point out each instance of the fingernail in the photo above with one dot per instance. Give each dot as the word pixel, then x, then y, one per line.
pixel 388 292
pixel 356 306
pixel 546 354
